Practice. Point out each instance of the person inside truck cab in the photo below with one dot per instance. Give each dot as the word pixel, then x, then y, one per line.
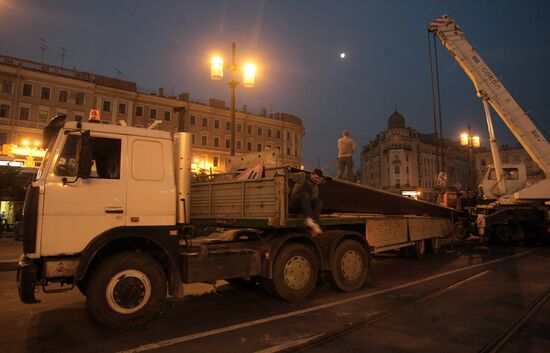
pixel 305 197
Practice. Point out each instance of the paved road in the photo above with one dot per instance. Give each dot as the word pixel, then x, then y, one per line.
pixel 484 291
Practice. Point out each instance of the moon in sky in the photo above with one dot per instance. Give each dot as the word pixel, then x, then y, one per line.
pixel 342 55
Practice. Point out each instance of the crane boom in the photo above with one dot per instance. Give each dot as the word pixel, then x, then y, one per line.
pixel 490 89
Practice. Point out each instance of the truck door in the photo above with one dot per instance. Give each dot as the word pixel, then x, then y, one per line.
pixel 77 210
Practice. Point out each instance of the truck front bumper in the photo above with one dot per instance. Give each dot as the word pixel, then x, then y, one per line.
pixel 26 280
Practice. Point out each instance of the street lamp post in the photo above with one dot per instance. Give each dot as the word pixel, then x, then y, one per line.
pixel 467 140
pixel 216 73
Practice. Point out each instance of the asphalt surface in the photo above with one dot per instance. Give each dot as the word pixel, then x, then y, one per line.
pixel 456 301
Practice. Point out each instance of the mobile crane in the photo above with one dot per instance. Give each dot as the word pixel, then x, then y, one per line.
pixel 526 211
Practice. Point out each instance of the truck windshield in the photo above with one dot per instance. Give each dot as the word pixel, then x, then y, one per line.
pixel 45 160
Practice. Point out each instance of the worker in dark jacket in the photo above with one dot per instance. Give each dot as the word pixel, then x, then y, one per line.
pixel 305 195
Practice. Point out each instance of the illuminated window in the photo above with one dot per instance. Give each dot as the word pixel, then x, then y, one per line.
pixel 43 115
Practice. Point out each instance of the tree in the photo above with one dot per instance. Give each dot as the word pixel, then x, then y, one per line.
pixel 13 183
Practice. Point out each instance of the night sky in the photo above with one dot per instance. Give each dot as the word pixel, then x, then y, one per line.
pixel 297 46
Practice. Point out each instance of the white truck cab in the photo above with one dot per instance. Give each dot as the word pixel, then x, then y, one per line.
pixel 514 177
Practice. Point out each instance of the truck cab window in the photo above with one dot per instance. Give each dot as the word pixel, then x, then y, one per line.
pixel 66 163
pixel 106 158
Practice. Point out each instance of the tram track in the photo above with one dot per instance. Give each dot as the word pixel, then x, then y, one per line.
pixel 317 340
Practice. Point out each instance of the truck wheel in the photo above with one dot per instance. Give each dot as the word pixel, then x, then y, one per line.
pixel 432 245
pixel 126 290
pixel 294 273
pixel 418 250
pixel 349 266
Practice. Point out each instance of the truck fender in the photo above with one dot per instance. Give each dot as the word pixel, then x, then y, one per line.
pixel 330 239
pixel 155 240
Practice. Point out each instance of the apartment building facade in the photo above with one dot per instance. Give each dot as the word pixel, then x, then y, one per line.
pixel 403 161
pixel 31 93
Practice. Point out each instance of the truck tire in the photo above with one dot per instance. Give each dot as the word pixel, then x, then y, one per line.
pixel 418 250
pixel 432 245
pixel 349 266
pixel 294 273
pixel 126 290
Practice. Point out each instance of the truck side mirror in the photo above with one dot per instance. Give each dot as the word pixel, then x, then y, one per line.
pixel 85 155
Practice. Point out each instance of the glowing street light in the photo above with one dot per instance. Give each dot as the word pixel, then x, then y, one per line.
pixel 216 73
pixel 471 142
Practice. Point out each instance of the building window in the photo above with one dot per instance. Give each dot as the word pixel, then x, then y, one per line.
pixel 106 105
pixel 516 158
pixel 204 121
pixel 216 124
pixel 288 135
pixel 122 108
pixel 193 139
pixel 43 115
pixel 227 143
pixel 7 86
pixel 278 134
pixel 167 116
pixel 239 128
pixel 288 151
pixel 24 113
pixel 45 93
pixel 295 153
pixel 228 126
pixel 216 161
pixel 204 140
pixel 239 145
pixel 192 120
pixel 260 131
pixel 269 131
pixel 139 111
pixel 77 117
pixel 249 129
pixel 216 142
pixel 4 111
pixel 79 98
pixel 152 114
pixel 482 162
pixel 249 146
pixel 259 147
pixel 62 96
pixel 27 89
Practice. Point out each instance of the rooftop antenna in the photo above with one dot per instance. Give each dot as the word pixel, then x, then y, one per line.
pixel 118 73
pixel 43 48
pixel 62 55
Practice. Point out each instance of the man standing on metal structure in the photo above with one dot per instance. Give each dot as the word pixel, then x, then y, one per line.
pixel 346 147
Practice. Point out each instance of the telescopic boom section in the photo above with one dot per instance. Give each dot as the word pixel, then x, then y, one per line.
pixel 492 90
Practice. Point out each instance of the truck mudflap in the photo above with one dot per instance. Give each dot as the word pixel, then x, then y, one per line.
pixel 26 280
